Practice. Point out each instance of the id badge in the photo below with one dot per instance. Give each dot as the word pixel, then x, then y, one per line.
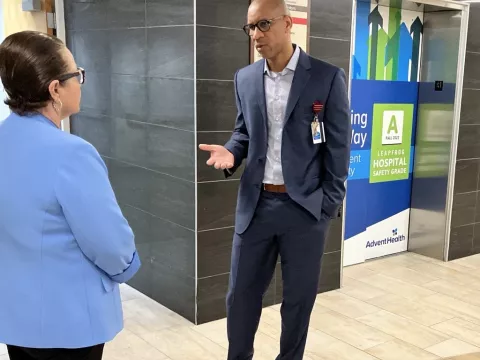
pixel 316 133
pixel 318 130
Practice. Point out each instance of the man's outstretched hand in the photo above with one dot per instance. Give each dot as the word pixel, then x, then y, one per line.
pixel 220 157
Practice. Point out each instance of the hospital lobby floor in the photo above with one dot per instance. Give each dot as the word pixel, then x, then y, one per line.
pixel 397 308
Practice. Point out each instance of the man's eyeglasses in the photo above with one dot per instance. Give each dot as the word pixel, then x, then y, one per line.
pixel 79 74
pixel 262 25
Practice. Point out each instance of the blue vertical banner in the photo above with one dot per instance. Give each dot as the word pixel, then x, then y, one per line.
pixel 384 96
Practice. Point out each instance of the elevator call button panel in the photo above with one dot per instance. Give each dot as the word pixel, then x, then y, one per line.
pixel 438 85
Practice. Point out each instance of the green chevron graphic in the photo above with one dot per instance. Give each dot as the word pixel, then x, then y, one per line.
pixel 375 43
pixel 393 44
pixel 416 29
pixel 382 44
pixel 378 55
pixel 388 46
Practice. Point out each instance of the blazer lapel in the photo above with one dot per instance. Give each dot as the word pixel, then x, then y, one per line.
pixel 300 79
pixel 260 93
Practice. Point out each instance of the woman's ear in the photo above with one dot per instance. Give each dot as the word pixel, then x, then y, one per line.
pixel 53 89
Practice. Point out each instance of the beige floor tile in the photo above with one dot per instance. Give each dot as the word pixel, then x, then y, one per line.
pixel 129 293
pixel 317 340
pixel 319 308
pixel 461 309
pixel 185 344
pixel 357 271
pixel 404 329
pixel 452 347
pixel 475 284
pixel 216 331
pixel 271 323
pixel 460 329
pixel 399 350
pixel 377 265
pixel 467 293
pixel 415 310
pixel 458 267
pixel 468 318
pixel 266 348
pixel 151 315
pixel 348 330
pixel 3 349
pixel 443 272
pixel 386 263
pixel 359 290
pixel 394 286
pixel 133 326
pixel 463 292
pixel 475 356
pixel 472 262
pixel 345 304
pixel 323 347
pixel 276 307
pixel 129 346
pixel 409 276
pixel 422 257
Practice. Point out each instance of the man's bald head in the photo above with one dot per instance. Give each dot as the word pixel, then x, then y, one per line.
pixel 278 6
pixel 272 25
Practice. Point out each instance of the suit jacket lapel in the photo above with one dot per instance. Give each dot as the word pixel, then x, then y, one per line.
pixel 300 79
pixel 260 93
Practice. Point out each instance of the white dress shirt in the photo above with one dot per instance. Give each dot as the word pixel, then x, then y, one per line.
pixel 277 91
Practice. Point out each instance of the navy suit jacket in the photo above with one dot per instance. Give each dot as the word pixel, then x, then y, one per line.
pixel 314 174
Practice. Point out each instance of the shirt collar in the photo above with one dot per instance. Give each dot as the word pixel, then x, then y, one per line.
pixel 292 64
pixel 35 117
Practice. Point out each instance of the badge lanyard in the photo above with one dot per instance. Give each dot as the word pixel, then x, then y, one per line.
pixel 318 130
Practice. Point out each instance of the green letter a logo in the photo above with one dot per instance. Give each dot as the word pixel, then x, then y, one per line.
pixel 392 126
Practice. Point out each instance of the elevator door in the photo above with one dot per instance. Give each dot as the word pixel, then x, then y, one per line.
pixel 436 130
pixel 384 95
pixel 404 115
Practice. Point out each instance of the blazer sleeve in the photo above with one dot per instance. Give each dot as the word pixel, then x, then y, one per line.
pixel 239 141
pixel 91 209
pixel 338 133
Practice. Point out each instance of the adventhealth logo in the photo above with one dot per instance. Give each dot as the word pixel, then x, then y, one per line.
pixel 388 240
pixel 392 129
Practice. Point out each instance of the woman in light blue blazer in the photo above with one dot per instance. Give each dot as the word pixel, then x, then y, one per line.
pixel 64 243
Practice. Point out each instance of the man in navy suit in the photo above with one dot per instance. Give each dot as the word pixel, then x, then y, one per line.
pixel 293 128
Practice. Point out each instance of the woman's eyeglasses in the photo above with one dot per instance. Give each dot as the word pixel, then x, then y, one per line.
pixel 262 25
pixel 79 74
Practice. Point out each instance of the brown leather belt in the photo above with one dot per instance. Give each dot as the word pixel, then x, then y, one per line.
pixel 275 188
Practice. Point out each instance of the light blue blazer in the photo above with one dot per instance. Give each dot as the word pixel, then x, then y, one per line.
pixel 64 243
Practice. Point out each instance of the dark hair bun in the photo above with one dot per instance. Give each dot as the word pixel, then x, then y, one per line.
pixel 29 62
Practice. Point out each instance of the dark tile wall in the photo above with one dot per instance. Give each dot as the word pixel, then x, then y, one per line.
pixel 138 110
pixel 465 225
pixel 222 48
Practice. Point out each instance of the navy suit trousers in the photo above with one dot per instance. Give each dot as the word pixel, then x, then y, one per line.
pixel 279 227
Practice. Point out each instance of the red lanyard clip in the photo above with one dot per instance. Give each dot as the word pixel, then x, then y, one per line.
pixel 317 107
